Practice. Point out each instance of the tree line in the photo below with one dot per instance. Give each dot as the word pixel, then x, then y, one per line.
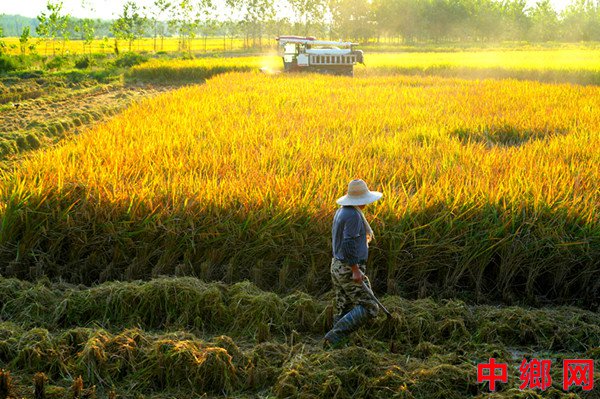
pixel 403 21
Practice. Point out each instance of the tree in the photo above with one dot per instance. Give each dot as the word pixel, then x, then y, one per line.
pixel 515 22
pixel 308 11
pixel 53 25
pixel 255 13
pixel 160 8
pixel 354 19
pixel 484 19
pixel 2 44
pixel 208 28
pixel 443 19
pixel 402 18
pixel 186 19
pixel 229 28
pixel 581 20
pixel 130 25
pixel 87 29
pixel 544 22
pixel 24 39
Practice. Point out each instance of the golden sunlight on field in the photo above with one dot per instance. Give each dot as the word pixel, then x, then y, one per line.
pixel 273 151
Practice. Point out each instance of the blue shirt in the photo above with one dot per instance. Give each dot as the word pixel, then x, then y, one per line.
pixel 349 236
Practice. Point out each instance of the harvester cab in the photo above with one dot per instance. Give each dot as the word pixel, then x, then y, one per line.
pixel 321 56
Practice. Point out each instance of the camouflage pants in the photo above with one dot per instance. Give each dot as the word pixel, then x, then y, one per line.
pixel 348 294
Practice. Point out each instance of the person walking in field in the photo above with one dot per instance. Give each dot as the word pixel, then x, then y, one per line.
pixel 351 234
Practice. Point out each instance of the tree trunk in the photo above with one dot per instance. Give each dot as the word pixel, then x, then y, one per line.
pixel 155 34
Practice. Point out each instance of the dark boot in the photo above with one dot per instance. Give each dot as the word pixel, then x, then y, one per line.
pixel 338 316
pixel 350 322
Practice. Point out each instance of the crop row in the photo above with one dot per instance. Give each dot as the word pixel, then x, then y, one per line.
pixel 243 310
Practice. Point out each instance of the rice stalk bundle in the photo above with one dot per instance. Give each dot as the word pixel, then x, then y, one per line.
pixel 302 312
pixel 444 381
pixel 266 361
pixel 33 305
pixel 253 309
pixel 238 357
pixel 73 340
pixel 106 358
pixel 9 338
pixel 182 302
pixel 561 328
pixel 37 351
pixel 392 383
pixel 342 374
pixel 191 364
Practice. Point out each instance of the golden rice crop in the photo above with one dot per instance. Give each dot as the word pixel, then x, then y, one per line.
pixel 558 65
pixel 561 59
pixel 169 71
pixel 490 186
pixel 562 65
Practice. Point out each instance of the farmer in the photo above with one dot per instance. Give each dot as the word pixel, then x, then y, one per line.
pixel 351 235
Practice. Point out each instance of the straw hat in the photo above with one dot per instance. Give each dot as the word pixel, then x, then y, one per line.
pixel 359 194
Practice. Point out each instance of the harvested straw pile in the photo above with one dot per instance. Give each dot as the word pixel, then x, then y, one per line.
pixel 191 364
pixel 342 374
pixel 243 310
pixel 146 336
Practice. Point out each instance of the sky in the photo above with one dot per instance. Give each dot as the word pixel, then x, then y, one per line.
pixel 108 9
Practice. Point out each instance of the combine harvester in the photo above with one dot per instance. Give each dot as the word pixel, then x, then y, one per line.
pixel 311 55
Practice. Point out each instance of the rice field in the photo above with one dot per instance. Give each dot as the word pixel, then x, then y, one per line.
pixel 562 59
pixel 580 66
pixel 565 65
pixel 490 187
pixel 182 248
